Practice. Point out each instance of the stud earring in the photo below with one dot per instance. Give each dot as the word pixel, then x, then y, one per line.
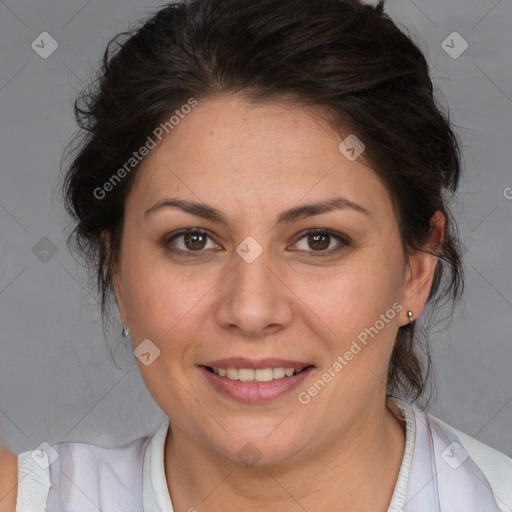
pixel 126 331
pixel 411 318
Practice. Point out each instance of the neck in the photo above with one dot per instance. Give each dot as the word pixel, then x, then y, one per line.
pixel 359 470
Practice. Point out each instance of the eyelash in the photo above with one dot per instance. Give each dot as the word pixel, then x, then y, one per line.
pixel 344 242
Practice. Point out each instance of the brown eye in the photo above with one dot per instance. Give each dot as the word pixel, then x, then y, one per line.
pixel 194 241
pixel 322 242
pixel 319 242
pixel 189 241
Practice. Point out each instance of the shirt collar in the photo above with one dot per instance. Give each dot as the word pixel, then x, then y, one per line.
pixel 155 491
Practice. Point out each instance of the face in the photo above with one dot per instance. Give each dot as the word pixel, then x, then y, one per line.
pixel 253 280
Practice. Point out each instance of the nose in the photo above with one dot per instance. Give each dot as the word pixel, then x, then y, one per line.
pixel 254 298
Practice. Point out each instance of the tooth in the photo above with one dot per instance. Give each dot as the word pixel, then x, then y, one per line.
pixel 258 375
pixel 278 373
pixel 245 374
pixel 232 373
pixel 263 374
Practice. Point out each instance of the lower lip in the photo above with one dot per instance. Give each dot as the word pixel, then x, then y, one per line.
pixel 255 392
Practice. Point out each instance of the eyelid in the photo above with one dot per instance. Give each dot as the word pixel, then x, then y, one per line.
pixel 169 238
pixel 344 241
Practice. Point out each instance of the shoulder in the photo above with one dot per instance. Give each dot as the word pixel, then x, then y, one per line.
pixel 495 465
pixel 8 480
pixel 65 476
pixel 446 444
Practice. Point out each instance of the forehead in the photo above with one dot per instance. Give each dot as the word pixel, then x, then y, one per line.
pixel 230 150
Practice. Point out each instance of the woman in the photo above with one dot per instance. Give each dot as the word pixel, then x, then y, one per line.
pixel 263 187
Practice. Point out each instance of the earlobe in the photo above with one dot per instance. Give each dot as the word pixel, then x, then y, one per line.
pixel 421 268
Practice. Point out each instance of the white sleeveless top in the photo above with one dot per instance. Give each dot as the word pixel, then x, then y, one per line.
pixel 442 470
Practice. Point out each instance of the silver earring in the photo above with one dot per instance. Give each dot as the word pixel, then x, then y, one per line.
pixel 411 318
pixel 126 331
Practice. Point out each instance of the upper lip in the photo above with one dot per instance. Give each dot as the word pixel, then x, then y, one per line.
pixel 243 362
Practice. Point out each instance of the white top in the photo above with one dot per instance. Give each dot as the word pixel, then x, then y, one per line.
pixel 442 470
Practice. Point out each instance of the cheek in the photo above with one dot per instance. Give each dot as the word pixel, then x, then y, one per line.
pixel 352 297
pixel 165 306
pixel 163 301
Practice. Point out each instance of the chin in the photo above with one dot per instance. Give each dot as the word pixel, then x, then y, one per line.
pixel 255 448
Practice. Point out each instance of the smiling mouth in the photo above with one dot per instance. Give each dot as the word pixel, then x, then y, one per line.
pixel 256 375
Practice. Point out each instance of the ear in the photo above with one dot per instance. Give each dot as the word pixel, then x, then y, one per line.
pixel 420 270
pixel 115 274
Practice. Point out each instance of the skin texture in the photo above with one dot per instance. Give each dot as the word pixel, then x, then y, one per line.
pixel 8 480
pixel 252 163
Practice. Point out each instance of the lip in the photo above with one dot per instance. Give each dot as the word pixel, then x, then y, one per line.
pixel 243 362
pixel 255 392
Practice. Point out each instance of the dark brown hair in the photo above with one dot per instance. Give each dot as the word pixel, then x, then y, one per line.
pixel 341 57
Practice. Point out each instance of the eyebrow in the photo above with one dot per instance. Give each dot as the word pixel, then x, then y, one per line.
pixel 287 217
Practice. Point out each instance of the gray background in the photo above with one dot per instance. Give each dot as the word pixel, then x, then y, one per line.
pixel 56 379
